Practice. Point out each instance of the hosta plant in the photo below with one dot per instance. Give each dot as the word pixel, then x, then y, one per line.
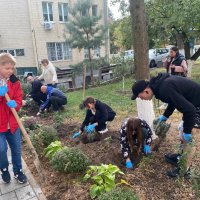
pixel 103 177
pixel 70 160
pixel 53 148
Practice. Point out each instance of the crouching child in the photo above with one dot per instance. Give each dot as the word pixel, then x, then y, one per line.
pixel 134 132
pixel 97 116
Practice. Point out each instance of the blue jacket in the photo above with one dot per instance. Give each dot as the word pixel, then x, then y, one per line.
pixel 52 92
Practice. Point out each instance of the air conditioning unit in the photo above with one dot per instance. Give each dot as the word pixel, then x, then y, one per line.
pixel 48 25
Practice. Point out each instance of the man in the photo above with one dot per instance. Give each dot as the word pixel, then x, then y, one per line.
pixel 36 93
pixel 55 97
pixel 181 94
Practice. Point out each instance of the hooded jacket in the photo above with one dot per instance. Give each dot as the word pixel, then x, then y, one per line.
pixel 180 93
pixel 7 119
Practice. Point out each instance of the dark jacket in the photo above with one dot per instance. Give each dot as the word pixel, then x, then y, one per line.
pixel 180 93
pixel 177 62
pixel 105 113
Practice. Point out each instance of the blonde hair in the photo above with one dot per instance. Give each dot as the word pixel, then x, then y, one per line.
pixel 6 58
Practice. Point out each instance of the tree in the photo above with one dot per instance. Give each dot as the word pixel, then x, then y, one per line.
pixel 177 20
pixel 84 29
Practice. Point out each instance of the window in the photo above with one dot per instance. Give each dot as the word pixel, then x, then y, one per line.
pixel 63 12
pixel 94 10
pixel 59 51
pixel 85 11
pixel 86 53
pixel 14 52
pixel 47 8
pixel 97 52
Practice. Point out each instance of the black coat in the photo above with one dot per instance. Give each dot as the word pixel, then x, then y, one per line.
pixel 36 87
pixel 180 93
pixel 105 113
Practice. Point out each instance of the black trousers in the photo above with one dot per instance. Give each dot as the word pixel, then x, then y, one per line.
pixel 101 125
pixel 56 102
pixel 39 97
pixel 54 86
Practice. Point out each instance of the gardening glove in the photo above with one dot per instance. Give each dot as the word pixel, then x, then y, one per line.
pixel 147 149
pixel 75 135
pixel 187 137
pixel 12 104
pixel 90 128
pixel 162 118
pixel 3 90
pixel 129 165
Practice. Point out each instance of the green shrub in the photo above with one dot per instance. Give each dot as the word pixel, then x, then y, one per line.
pixel 26 88
pixel 196 181
pixel 103 177
pixel 119 194
pixel 54 147
pixel 42 137
pixel 30 123
pixel 69 161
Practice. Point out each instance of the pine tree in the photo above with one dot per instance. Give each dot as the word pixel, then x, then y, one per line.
pixel 84 29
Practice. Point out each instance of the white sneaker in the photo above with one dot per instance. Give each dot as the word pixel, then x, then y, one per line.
pixel 103 131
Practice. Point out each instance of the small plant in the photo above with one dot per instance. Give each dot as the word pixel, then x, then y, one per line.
pixel 69 161
pixel 119 194
pixel 54 147
pixel 195 177
pixel 30 123
pixel 26 88
pixel 42 137
pixel 103 177
pixel 58 119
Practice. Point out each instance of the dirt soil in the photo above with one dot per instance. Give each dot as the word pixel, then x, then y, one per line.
pixel 148 179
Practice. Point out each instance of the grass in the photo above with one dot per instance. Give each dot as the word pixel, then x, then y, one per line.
pixel 121 103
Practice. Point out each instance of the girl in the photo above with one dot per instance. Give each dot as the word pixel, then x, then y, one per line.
pixel 97 115
pixel 176 65
pixel 134 131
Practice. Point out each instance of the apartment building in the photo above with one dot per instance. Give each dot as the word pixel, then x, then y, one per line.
pixel 35 29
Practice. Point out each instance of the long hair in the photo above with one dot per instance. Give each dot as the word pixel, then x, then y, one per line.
pixel 134 124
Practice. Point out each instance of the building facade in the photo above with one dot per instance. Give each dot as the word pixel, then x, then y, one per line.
pixel 35 29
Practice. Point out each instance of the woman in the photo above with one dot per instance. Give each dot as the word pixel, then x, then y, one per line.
pixel 48 74
pixel 97 115
pixel 176 64
pixel 134 132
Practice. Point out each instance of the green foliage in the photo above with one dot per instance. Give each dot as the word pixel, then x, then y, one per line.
pixel 103 177
pixel 58 119
pixel 54 147
pixel 161 128
pixel 42 137
pixel 30 123
pixel 119 194
pixel 26 88
pixel 69 161
pixel 196 181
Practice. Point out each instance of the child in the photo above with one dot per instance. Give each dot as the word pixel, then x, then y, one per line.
pixel 97 115
pixel 134 131
pixel 9 129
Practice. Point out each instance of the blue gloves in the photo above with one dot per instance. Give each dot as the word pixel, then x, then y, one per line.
pixel 12 104
pixel 75 135
pixel 162 118
pixel 129 165
pixel 187 137
pixel 147 149
pixel 3 90
pixel 90 128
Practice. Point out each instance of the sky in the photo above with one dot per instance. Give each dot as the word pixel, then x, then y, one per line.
pixel 114 10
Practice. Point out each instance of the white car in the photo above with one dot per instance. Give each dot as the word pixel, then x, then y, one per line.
pixel 129 54
pixel 156 56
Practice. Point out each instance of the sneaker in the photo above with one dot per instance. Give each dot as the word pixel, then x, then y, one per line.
pixel 5 175
pixel 174 173
pixel 20 176
pixel 103 131
pixel 172 158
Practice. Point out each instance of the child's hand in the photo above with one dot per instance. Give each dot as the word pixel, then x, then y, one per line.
pixel 129 164
pixel 3 90
pixel 12 104
pixel 147 149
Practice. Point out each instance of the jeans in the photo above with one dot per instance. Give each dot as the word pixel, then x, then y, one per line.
pixel 14 141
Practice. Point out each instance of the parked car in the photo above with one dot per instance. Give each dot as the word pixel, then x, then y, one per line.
pixel 129 54
pixel 156 56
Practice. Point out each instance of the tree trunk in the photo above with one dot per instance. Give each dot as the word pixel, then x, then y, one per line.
pixel 91 68
pixel 139 29
pixel 187 50
pixel 141 57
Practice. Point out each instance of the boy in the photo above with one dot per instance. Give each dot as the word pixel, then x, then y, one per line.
pixel 97 115
pixel 181 94
pixel 9 129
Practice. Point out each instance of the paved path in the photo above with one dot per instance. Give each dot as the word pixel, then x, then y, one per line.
pixel 16 191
